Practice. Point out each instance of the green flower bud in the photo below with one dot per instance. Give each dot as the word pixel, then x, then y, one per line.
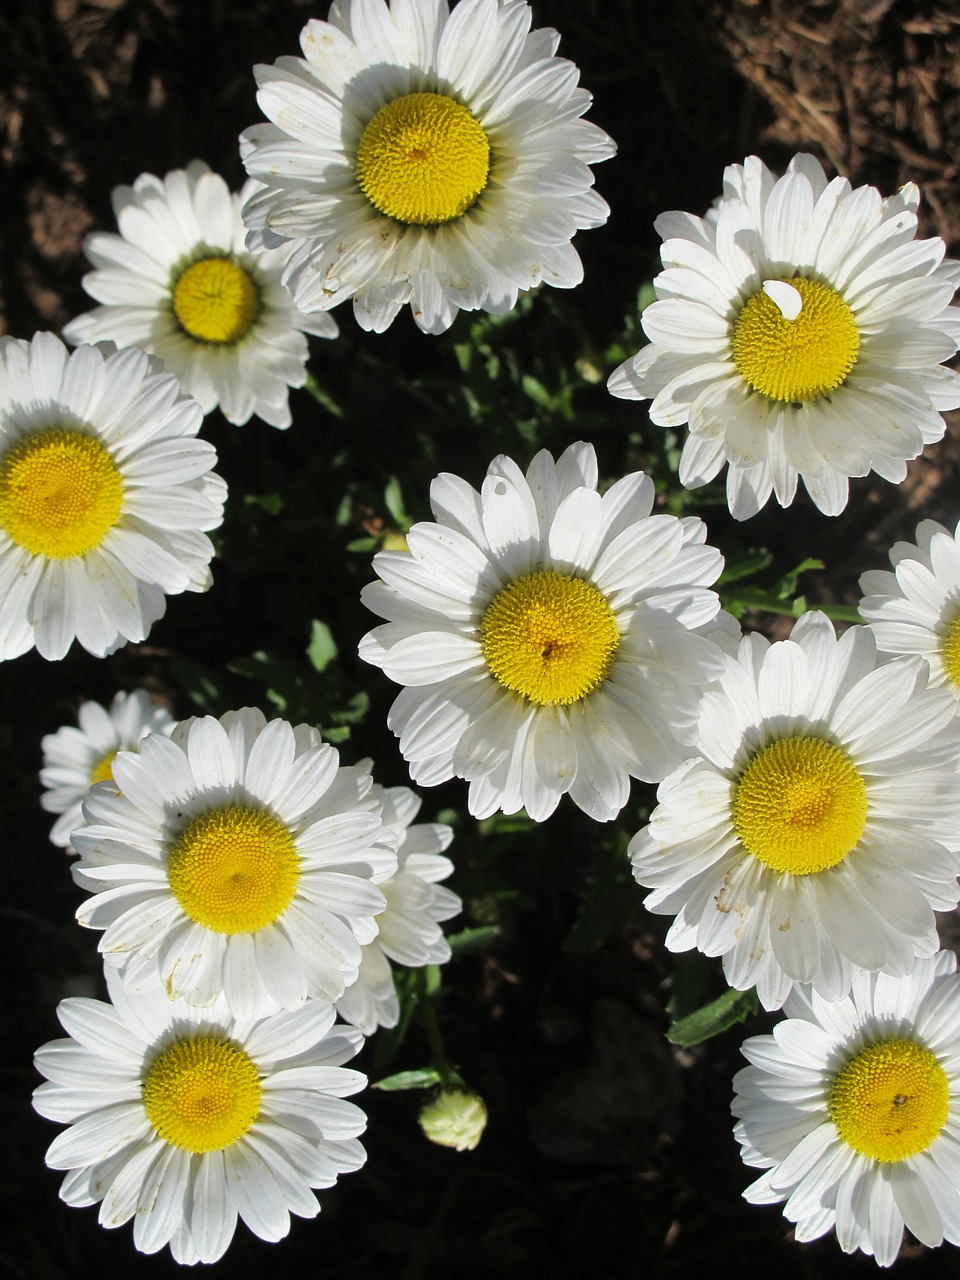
pixel 454 1118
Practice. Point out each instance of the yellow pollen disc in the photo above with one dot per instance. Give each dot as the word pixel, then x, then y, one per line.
pixel 60 491
pixel 202 1094
pixel 215 301
pixel 800 805
pixel 549 637
pixel 423 159
pixel 234 870
pixel 796 360
pixel 890 1101
pixel 102 771
pixel 950 652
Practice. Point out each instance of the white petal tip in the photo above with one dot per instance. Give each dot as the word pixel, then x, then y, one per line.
pixel 785 297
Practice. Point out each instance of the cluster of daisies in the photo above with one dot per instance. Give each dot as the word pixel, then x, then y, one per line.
pixel 554 640
pixel 550 639
pixel 251 889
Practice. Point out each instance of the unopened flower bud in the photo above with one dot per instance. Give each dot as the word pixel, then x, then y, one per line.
pixel 454 1118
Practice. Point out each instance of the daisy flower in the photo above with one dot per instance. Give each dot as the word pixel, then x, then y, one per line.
pixel 105 496
pixel 179 282
pixel 815 825
pixel 425 157
pixel 409 925
pixel 74 759
pixel 916 609
pixel 238 857
pixel 546 636
pixel 799 331
pixel 853 1108
pixel 183 1118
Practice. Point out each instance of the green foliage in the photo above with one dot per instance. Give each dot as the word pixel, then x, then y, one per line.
pixel 611 898
pixel 719 1015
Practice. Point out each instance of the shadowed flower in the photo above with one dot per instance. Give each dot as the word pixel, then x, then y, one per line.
pixel 74 759
pixel 179 282
pixel 409 930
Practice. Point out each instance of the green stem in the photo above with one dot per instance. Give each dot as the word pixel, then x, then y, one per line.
pixel 322 398
pixel 438 1053
pixel 754 599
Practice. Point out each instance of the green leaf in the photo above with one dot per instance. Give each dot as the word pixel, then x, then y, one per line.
pixel 692 971
pixel 203 685
pixel 468 940
pixel 745 565
pixel 724 1012
pixel 537 392
pixel 272 503
pixel 322 649
pixel 335 734
pixel 787 586
pixel 423 1078
pixel 611 900
pixel 393 497
pixel 354 710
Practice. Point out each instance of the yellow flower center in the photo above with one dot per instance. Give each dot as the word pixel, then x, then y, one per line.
pixel 796 360
pixel 234 870
pixel 890 1101
pixel 102 771
pixel 950 652
pixel 423 159
pixel 60 491
pixel 800 805
pixel 215 301
pixel 549 637
pixel 202 1094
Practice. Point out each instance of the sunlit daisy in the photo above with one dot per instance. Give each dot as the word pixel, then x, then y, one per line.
pixel 425 157
pixel 409 925
pixel 546 635
pixel 183 1118
pixel 916 608
pixel 74 759
pixel 178 281
pixel 239 856
pixel 105 496
pixel 853 1108
pixel 816 824
pixel 799 331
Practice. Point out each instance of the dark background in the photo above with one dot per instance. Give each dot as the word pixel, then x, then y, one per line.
pixel 607 1154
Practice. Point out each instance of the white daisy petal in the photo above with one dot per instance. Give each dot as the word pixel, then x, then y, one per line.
pixel 409 930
